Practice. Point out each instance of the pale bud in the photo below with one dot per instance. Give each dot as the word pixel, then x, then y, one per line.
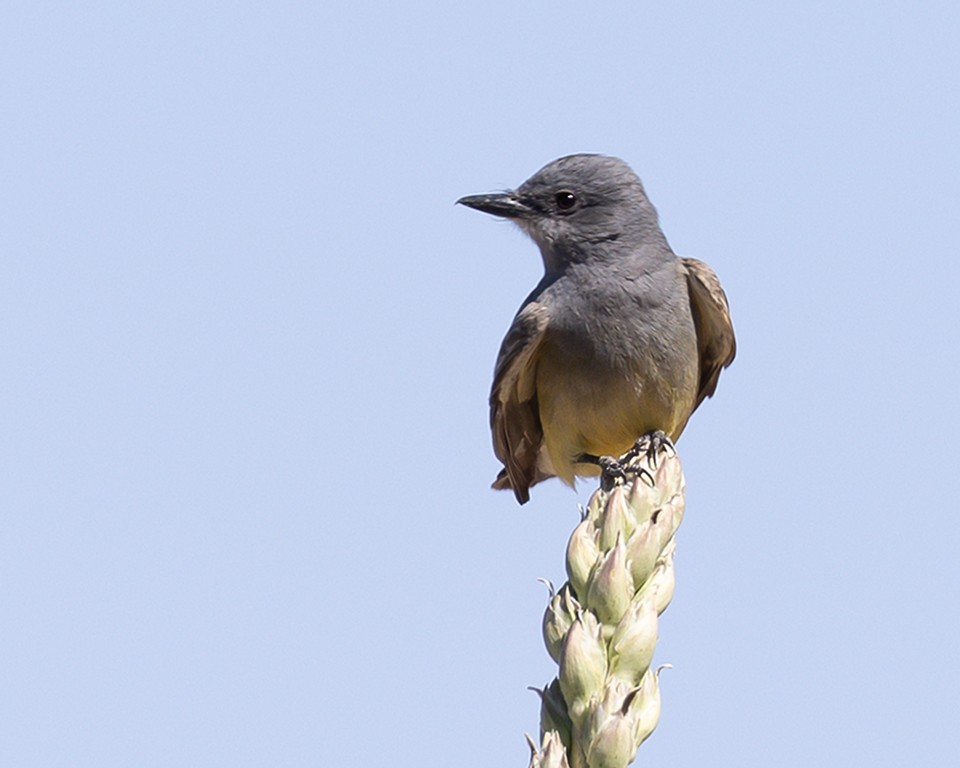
pixel 668 519
pixel 643 498
pixel 614 745
pixel 582 554
pixel 645 708
pixel 618 519
pixel 663 580
pixel 643 549
pixel 552 753
pixel 611 587
pixel 634 640
pixel 557 618
pixel 607 732
pixel 583 662
pixel 595 505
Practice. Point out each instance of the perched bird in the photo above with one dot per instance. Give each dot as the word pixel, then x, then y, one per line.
pixel 621 338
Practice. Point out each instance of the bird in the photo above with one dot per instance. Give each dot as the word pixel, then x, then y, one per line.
pixel 620 340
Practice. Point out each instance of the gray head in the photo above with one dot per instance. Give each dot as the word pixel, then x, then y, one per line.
pixel 579 208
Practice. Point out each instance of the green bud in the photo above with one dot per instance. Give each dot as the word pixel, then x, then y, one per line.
pixel 663 580
pixel 643 549
pixel 611 587
pixel 552 753
pixel 663 524
pixel 583 662
pixel 645 708
pixel 668 519
pixel 598 500
pixel 582 555
pixel 606 704
pixel 557 618
pixel 634 640
pixel 618 519
pixel 614 745
pixel 607 732
pixel 670 478
pixel 642 499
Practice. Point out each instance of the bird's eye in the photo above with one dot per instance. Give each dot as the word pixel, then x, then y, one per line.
pixel 565 200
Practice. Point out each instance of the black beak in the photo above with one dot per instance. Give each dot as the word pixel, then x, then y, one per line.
pixel 506 204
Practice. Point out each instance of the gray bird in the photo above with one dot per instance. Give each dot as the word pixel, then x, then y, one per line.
pixel 620 339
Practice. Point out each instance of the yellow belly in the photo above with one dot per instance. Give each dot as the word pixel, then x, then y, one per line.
pixel 603 412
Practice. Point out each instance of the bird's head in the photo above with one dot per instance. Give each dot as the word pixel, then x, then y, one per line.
pixel 578 208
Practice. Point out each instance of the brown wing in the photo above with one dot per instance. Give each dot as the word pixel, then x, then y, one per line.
pixel 711 316
pixel 514 412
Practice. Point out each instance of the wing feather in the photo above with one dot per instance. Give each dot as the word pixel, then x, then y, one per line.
pixel 514 411
pixel 711 316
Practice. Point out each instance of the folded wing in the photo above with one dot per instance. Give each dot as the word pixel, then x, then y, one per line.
pixel 711 316
pixel 514 411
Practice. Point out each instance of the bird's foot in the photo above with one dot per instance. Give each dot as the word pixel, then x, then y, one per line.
pixel 615 471
pixel 651 445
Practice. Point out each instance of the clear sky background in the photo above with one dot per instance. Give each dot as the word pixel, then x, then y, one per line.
pixel 247 340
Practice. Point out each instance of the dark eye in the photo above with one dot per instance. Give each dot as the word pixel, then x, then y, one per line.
pixel 565 200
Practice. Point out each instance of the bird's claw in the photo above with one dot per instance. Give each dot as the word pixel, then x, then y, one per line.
pixel 651 445
pixel 611 471
pixel 616 471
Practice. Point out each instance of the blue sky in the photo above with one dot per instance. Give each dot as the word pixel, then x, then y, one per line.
pixel 248 340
